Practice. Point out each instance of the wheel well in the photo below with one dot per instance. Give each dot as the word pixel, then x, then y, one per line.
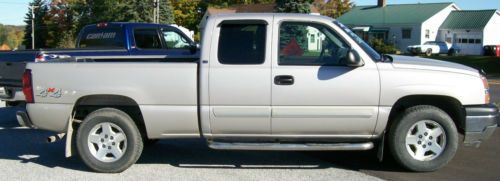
pixel 88 104
pixel 450 105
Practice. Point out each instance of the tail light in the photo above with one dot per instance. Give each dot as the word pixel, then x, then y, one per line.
pixel 486 90
pixel 28 86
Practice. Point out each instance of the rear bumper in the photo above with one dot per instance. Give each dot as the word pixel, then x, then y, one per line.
pixel 480 123
pixel 11 94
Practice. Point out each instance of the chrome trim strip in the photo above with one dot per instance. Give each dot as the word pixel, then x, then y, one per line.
pixel 290 147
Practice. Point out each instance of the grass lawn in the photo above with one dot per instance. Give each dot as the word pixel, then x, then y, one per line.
pixel 491 65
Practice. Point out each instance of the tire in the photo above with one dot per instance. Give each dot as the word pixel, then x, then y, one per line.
pixel 406 146
pixel 122 151
pixel 452 52
pixel 428 52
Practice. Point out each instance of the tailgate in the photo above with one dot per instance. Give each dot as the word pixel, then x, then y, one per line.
pixel 11 78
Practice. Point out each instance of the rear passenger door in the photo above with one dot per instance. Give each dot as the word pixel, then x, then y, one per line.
pixel 239 78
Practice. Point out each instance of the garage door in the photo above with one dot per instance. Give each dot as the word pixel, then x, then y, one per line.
pixel 470 43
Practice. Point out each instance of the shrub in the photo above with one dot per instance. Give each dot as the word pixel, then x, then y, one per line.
pixel 382 47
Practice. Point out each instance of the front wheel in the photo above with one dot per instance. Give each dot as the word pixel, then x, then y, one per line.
pixel 109 141
pixel 423 138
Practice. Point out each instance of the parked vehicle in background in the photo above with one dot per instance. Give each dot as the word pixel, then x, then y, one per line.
pixel 264 83
pixel 491 50
pixel 101 42
pixel 433 47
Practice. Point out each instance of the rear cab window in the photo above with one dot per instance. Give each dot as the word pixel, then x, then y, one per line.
pixel 110 37
pixel 242 43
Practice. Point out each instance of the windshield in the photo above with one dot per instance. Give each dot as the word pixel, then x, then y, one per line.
pixel 369 50
pixel 430 43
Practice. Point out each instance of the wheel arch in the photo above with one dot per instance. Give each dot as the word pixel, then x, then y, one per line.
pixel 89 103
pixel 452 106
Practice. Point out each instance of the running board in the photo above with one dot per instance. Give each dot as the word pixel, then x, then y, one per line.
pixel 291 147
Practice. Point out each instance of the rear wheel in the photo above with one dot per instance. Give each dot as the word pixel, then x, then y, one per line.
pixel 109 141
pixel 423 138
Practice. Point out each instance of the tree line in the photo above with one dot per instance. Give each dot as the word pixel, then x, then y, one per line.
pixel 57 22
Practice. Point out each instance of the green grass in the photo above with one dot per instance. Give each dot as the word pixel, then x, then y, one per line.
pixel 491 65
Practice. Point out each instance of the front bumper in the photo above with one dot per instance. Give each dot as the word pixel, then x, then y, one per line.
pixel 480 123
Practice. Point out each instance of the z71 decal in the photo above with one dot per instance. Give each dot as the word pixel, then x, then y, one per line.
pixel 49 92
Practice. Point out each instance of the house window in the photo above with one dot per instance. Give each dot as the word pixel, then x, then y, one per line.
pixel 478 41
pixel 313 39
pixel 406 32
pixel 471 41
pixel 427 34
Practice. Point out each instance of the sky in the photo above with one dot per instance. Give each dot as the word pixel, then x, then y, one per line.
pixel 12 12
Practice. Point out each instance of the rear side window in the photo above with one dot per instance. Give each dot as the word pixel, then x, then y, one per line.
pixel 147 38
pixel 242 44
pixel 102 38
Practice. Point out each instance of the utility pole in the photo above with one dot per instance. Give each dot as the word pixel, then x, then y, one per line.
pixel 33 26
pixel 156 11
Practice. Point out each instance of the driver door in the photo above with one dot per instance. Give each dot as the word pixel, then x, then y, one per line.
pixel 313 92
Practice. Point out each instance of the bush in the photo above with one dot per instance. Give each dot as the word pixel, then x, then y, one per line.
pixel 382 47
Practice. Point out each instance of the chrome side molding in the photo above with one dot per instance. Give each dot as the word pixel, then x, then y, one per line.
pixel 291 146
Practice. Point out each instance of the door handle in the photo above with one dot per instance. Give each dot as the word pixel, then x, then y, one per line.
pixel 284 80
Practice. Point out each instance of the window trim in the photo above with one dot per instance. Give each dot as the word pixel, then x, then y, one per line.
pixel 403 35
pixel 157 34
pixel 244 22
pixel 309 22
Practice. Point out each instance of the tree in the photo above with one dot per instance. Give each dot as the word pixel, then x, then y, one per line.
pixel 188 13
pixel 166 12
pixel 291 33
pixel 60 21
pixel 293 6
pixel 40 25
pixel 335 8
pixel 227 3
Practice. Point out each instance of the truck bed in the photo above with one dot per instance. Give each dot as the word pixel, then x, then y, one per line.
pixel 166 86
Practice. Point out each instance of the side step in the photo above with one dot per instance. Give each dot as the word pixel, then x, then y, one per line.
pixel 291 147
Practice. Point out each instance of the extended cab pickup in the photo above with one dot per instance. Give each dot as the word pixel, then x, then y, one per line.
pixel 264 82
pixel 101 42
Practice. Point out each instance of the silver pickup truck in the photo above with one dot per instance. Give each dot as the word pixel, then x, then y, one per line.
pixel 264 82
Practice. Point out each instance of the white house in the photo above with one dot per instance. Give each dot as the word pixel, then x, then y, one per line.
pixel 413 24
pixel 401 24
pixel 471 30
pixel 315 39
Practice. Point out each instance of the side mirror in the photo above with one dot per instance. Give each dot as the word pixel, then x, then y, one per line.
pixel 353 59
pixel 193 48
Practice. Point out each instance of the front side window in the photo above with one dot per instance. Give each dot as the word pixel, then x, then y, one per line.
pixel 147 38
pixel 295 49
pixel 242 44
pixel 174 40
pixel 406 32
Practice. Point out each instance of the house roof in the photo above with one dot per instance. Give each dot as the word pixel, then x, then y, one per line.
pixel 470 19
pixel 392 14
pixel 249 8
